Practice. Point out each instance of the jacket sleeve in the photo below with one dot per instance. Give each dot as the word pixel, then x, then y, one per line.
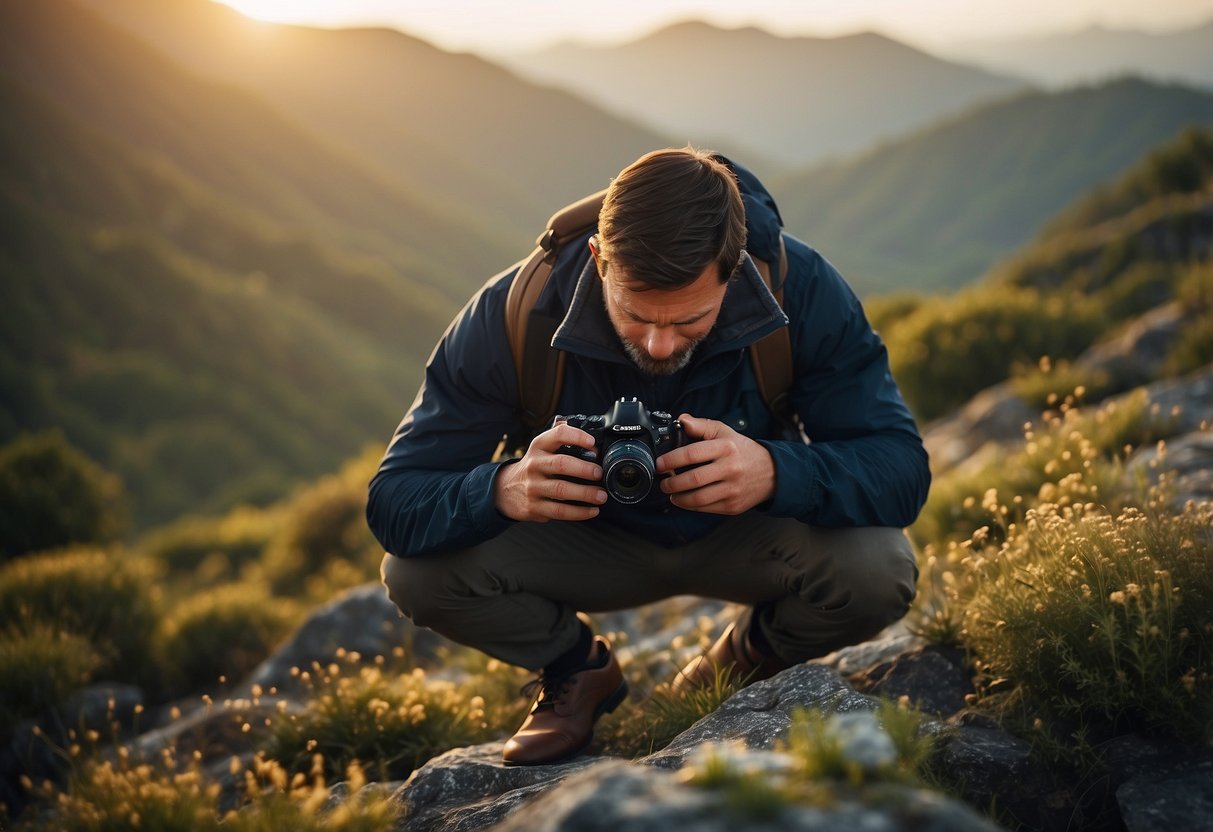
pixel 434 487
pixel 864 464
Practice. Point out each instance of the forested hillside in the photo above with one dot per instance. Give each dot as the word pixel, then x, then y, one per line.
pixel 932 211
pixel 452 129
pixel 207 299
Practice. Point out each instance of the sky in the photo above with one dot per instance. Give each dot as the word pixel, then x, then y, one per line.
pixel 497 26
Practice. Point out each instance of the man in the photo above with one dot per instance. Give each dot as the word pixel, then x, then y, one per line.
pixel 661 303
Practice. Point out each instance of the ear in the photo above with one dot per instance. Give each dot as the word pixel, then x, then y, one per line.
pixel 597 254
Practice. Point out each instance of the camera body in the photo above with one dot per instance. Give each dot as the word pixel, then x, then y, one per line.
pixel 628 439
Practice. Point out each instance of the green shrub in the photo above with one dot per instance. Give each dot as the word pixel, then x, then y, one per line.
pixel 945 352
pixel 645 726
pixel 101 596
pixel 1099 618
pixel 52 495
pixel 390 723
pixel 1049 384
pixel 1070 442
pixel 212 548
pixel 1194 348
pixel 39 669
pixel 225 631
pixel 170 798
pixel 324 529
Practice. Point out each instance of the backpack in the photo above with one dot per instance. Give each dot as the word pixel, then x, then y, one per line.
pixel 539 367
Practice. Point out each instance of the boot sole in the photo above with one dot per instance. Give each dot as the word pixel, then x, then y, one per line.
pixel 606 706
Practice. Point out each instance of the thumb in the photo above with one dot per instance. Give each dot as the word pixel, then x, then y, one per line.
pixel 697 428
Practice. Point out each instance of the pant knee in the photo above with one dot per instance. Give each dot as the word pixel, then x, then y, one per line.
pixel 414 585
pixel 879 575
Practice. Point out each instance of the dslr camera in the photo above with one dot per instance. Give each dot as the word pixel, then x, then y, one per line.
pixel 628 438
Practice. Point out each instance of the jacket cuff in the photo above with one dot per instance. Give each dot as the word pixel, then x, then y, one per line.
pixel 797 488
pixel 478 488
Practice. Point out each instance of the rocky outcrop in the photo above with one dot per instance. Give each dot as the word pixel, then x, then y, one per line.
pixel 996 416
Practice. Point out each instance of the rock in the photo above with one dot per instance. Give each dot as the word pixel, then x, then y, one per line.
pixel 362 620
pixel 761 714
pixel 863 741
pixel 1189 461
pixel 995 415
pixel 895 640
pixel 470 788
pixel 930 677
pixel 1181 799
pixel 615 795
pixel 989 767
pixel 1136 355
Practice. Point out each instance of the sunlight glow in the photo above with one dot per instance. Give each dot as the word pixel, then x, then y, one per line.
pixel 495 27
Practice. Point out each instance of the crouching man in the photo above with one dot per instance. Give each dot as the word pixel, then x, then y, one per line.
pixel 660 303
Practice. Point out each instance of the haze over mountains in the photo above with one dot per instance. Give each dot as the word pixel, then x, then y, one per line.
pixel 793 100
pixel 229 246
pixel 1098 53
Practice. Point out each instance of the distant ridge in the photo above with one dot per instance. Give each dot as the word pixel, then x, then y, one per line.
pixel 207 299
pixel 1098 53
pixel 933 210
pixel 793 100
pixel 451 128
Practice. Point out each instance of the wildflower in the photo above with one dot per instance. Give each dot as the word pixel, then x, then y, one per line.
pixel 1117 597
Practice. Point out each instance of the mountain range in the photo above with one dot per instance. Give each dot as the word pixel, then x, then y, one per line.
pixel 1097 53
pixel 458 131
pixel 228 246
pixel 792 100
pixel 933 210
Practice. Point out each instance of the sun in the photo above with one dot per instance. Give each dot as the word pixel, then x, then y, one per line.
pixel 282 11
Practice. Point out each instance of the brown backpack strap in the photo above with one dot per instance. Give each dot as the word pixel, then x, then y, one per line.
pixel 772 356
pixel 538 367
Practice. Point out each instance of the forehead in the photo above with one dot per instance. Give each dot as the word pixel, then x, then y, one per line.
pixel 705 292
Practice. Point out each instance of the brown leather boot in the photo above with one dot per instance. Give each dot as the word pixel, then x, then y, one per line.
pixel 733 657
pixel 561 722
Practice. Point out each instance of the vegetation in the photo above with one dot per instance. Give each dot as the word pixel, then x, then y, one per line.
pixel 816 766
pixel 935 210
pixel 1059 294
pixel 177 797
pixel 52 495
pixel 224 632
pixel 1081 598
pixel 94 594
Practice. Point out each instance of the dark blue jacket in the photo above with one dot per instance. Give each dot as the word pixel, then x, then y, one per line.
pixel 863 466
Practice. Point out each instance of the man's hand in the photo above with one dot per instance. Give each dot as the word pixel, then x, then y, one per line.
pixel 734 472
pixel 532 489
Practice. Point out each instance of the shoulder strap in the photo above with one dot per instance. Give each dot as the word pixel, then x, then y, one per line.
pixel 539 368
pixel 772 355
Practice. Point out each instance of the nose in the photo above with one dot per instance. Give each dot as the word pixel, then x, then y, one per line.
pixel 660 342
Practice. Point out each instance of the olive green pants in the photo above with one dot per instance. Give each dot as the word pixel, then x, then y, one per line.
pixel 516 597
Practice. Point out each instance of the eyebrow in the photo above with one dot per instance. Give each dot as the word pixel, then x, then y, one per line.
pixel 684 322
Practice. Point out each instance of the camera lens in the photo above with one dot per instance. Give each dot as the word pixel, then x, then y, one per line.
pixel 628 471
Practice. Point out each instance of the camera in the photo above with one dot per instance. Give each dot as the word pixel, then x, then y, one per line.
pixel 629 439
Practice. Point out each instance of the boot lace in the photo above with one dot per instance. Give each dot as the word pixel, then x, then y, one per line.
pixel 550 688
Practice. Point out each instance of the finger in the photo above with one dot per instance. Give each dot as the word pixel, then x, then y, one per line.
pixel 565 465
pixel 711 499
pixel 698 477
pixel 567 491
pixel 701 429
pixel 697 453
pixel 562 434
pixel 555 510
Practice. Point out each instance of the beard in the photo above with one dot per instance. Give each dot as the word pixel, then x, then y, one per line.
pixel 659 366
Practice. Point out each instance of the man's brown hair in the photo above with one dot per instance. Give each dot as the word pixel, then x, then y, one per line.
pixel 670 214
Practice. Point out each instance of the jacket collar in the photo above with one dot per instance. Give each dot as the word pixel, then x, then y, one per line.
pixel 749 312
